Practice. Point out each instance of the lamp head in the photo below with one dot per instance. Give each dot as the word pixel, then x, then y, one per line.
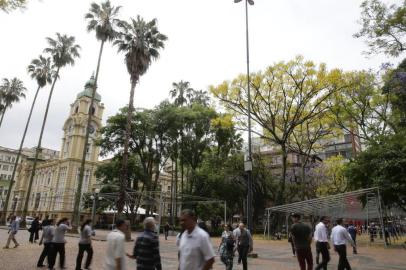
pixel 251 2
pixel 237 1
pixel 97 190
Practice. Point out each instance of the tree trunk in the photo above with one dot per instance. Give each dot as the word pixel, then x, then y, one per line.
pixel 76 212
pixel 124 168
pixel 280 197
pixel 2 115
pixel 34 166
pixel 18 157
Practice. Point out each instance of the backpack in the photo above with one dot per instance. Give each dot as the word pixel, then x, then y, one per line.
pixel 244 239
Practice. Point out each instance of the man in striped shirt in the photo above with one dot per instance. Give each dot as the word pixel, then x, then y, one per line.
pixel 146 248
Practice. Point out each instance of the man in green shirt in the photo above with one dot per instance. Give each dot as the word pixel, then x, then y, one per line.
pixel 302 238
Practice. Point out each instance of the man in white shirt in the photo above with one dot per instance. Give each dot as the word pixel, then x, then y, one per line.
pixel 115 256
pixel 322 245
pixel 195 249
pixel 339 238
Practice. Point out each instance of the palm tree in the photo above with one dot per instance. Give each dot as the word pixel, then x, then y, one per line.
pixel 102 20
pixel 40 69
pixel 63 51
pixel 181 92
pixel 140 41
pixel 11 91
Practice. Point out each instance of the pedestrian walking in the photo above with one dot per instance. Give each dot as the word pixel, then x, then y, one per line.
pixel 195 249
pixel 115 255
pixel 244 245
pixel 302 239
pixel 339 237
pixel 34 230
pixel 352 230
pixel 85 244
pixel 146 248
pixel 48 231
pixel 322 245
pixel 166 230
pixel 58 243
pixel 14 227
pixel 226 247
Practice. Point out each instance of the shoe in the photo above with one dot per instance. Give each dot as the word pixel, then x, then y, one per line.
pixel 16 245
pixel 5 247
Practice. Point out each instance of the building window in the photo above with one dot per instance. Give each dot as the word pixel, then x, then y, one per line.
pixel 5 167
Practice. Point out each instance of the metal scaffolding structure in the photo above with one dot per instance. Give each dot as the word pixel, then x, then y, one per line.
pixel 363 204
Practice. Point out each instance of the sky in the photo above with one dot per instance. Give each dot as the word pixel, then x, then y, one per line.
pixel 206 45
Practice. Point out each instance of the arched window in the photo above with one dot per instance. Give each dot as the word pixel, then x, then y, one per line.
pixel 77 109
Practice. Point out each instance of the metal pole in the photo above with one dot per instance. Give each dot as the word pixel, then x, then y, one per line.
pixel 94 208
pixel 225 212
pixel 159 213
pixel 249 205
pixel 381 218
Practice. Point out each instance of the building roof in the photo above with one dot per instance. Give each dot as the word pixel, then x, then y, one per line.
pixel 88 90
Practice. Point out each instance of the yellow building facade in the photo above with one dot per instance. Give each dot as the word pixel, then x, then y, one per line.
pixel 55 182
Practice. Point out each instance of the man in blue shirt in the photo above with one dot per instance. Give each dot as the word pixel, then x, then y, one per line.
pixel 14 227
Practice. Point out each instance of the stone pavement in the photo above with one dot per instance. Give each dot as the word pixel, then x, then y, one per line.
pixel 272 255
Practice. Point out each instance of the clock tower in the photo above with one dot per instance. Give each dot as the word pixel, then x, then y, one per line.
pixel 75 126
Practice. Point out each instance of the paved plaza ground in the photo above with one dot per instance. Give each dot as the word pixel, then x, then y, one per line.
pixel 271 255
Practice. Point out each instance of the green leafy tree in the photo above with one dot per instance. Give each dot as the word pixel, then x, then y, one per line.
pixel 10 5
pixel 361 109
pixel 11 91
pixel 283 97
pixel 382 165
pixel 332 180
pixel 101 19
pixel 395 88
pixel 141 42
pixel 40 69
pixel 63 51
pixel 383 27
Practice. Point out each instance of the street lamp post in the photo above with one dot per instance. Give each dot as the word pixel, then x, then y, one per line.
pixel 248 159
pixel 94 197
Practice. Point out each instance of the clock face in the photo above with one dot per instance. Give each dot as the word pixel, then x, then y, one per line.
pixel 91 129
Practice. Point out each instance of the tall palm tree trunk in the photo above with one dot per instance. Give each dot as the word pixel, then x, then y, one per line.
pixel 38 150
pixel 124 167
pixel 2 115
pixel 10 186
pixel 76 212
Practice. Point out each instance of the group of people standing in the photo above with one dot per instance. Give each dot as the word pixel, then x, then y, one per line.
pixel 195 250
pixel 302 239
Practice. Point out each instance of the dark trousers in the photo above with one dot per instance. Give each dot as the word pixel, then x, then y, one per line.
pixel 44 254
pixel 166 234
pixel 342 257
pixel 55 249
pixel 32 234
pixel 82 248
pixel 304 256
pixel 242 256
pixel 293 248
pixel 322 248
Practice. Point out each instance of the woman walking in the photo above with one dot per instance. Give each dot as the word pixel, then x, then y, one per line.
pixel 85 244
pixel 48 231
pixel 58 243
pixel 226 248
pixel 34 230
